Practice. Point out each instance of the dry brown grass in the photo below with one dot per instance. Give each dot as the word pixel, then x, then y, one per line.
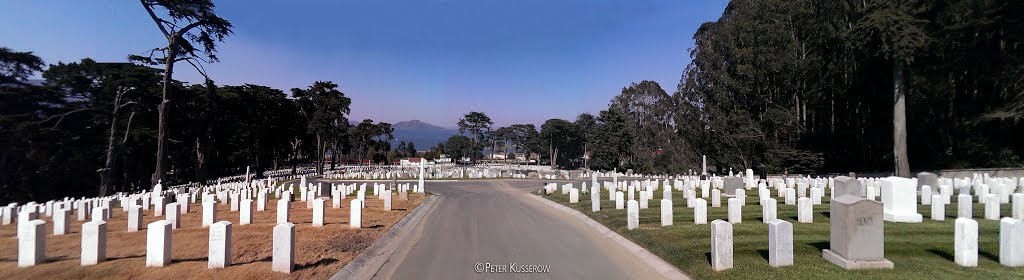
pixel 319 252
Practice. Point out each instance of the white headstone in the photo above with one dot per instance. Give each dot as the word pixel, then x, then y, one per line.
pixel 965 242
pixel 173 215
pixel 1017 209
pixel 158 243
pixel 283 208
pixel 805 213
pixel 716 198
pixel 899 198
pixel 938 208
pixel 991 207
pixel 632 215
pixel 318 212
pixel 209 213
pixel 574 196
pixel 387 200
pixel 595 198
pixel 735 210
pixel 768 207
pixel 1011 242
pixel 61 221
pixel 31 242
pixel 700 211
pixel 620 200
pixel 245 212
pixel 284 247
pixel 721 245
pixel 94 242
pixel 780 243
pixel 964 206
pixel 356 214
pixel 219 250
pixel 666 212
pixel 135 218
pixel 926 195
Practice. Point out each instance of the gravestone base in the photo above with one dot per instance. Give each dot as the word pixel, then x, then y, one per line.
pixel 903 217
pixel 855 264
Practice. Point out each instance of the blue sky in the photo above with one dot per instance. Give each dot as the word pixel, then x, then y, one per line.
pixel 518 61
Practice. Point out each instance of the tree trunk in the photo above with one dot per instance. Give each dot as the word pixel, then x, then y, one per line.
pixel 319 154
pixel 159 172
pixel 899 121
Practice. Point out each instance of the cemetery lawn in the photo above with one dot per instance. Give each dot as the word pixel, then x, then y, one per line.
pixel 319 252
pixel 919 251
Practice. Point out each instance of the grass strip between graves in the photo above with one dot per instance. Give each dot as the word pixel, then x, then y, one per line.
pixel 919 251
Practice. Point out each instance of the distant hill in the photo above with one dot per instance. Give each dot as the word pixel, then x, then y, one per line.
pixel 424 135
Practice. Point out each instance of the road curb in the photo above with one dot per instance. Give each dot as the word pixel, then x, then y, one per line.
pixel 664 268
pixel 370 260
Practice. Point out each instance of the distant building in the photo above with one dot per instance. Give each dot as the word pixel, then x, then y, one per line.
pixel 410 161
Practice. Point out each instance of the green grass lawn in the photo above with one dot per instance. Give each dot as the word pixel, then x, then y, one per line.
pixel 919 251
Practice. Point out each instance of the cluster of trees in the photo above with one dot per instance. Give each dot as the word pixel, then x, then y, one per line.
pixel 92 127
pixel 821 86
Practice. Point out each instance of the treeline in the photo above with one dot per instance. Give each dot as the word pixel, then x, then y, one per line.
pixel 91 127
pixel 822 86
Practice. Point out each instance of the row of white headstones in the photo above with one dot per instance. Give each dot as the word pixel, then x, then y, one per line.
pixel 32 231
pixel 806 192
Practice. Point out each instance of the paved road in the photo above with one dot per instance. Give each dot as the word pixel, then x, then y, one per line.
pixel 493 221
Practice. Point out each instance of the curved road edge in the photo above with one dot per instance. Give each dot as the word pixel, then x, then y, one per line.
pixel 371 259
pixel 664 268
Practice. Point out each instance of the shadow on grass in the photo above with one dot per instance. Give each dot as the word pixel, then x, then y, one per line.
pixel 942 254
pixel 764 254
pixel 708 257
pixel 321 262
pixel 820 245
pixel 125 257
pixel 190 260
pixel 267 259
pixel 826 214
pixel 988 255
pixel 376 226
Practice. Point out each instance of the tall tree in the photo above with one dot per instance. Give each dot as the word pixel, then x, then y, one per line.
pixel 192 30
pixel 325 109
pixel 890 30
pixel 16 67
pixel 478 125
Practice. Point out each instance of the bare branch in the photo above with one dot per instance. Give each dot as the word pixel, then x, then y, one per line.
pixel 128 127
pixel 159 22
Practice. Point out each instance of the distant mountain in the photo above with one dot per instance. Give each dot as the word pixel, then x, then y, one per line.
pixel 424 135
pixel 415 124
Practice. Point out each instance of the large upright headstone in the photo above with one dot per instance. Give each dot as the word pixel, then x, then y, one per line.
pixel 847 185
pixel 355 219
pixel 158 244
pixel 219 251
pixel 31 242
pixel 700 211
pixel 856 234
pixel 632 215
pixel 732 184
pixel 927 179
pixel 284 247
pixel 134 218
pixel 245 212
pixel 965 242
pixel 173 215
pixel 964 206
pixel 780 243
pixel 721 245
pixel 94 242
pixel 209 213
pixel 318 212
pixel 666 212
pixel 282 211
pixel 61 221
pixel 735 211
pixel 595 198
pixel 899 195
pixel 1011 242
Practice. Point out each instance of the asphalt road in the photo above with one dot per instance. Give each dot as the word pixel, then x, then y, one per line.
pixel 492 221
